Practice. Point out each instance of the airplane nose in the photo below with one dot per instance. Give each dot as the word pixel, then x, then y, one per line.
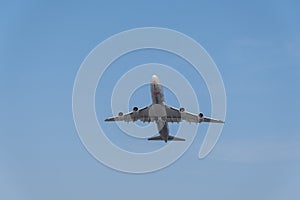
pixel 155 79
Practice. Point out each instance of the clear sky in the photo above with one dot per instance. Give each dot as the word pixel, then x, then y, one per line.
pixel 256 47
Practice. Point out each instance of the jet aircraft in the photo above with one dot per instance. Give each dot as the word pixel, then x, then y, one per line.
pixel 161 114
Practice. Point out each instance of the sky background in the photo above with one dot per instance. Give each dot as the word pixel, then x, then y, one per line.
pixel 256 47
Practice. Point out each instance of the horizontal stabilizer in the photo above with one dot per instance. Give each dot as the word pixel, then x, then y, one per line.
pixel 155 138
pixel 175 138
pixel 169 138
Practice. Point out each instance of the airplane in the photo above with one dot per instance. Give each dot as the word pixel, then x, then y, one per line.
pixel 161 114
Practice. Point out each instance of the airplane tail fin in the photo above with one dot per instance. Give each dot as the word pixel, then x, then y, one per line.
pixel 169 138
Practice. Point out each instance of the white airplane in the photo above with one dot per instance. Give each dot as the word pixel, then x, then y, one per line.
pixel 161 114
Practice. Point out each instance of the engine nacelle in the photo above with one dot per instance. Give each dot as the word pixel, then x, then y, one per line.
pixel 120 114
pixel 201 115
pixel 181 109
pixel 135 109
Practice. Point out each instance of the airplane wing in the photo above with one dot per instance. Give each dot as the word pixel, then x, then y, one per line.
pixel 172 115
pixel 177 115
pixel 142 115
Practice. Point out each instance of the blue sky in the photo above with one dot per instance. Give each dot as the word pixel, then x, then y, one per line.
pixel 256 47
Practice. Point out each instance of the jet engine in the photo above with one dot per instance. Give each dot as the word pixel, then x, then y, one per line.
pixel 201 115
pixel 135 109
pixel 120 114
pixel 181 109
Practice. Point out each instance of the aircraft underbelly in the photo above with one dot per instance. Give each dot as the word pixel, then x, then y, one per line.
pixel 157 111
pixel 157 94
pixel 163 129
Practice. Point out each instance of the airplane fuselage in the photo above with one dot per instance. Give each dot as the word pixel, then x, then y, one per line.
pixel 158 107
